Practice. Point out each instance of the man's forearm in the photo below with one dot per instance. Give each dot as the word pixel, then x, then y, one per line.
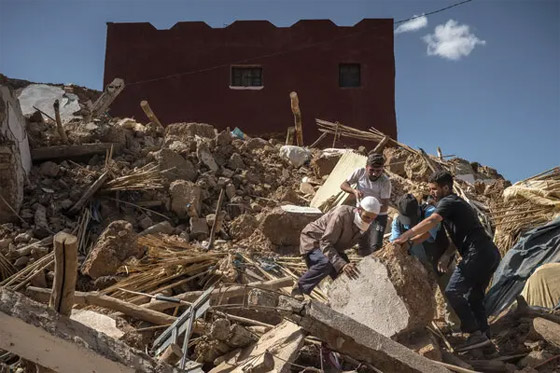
pixel 423 227
pixel 384 205
pixel 418 239
pixel 346 187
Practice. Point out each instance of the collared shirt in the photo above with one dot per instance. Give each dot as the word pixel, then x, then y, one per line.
pixel 380 188
pixel 333 233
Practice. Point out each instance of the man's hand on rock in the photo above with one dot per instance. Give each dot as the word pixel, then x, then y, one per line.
pixel 358 194
pixel 443 262
pixel 351 271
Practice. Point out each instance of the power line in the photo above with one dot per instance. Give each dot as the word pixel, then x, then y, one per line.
pixel 432 12
pixel 297 49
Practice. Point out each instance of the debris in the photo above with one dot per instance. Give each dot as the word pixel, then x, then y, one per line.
pixel 72 151
pixel 548 330
pixel 283 226
pixel 97 321
pixel 174 167
pixel 51 341
pixel 394 287
pixel 295 154
pixel 116 244
pixel 164 227
pixel 65 273
pixel 186 199
pixel 107 97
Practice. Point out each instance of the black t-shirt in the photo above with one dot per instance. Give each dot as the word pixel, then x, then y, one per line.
pixel 460 221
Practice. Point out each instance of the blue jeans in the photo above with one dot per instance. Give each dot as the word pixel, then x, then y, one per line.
pixel 467 286
pixel 319 268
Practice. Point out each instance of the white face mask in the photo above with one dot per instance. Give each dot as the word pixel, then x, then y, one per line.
pixel 360 223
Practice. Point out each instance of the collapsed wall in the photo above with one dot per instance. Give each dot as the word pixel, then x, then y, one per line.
pixel 15 157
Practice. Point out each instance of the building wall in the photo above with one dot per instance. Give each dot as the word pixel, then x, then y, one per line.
pixel 15 157
pixel 184 73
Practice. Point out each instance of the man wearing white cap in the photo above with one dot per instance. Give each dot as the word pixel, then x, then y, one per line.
pixel 323 241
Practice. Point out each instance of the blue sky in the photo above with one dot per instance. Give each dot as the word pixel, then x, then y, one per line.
pixel 488 91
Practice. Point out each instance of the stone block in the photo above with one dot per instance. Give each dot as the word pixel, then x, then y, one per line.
pixel 395 294
pixel 186 198
pixel 283 226
pixel 174 166
pixel 199 228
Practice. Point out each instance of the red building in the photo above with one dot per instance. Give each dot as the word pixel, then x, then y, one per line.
pixel 242 75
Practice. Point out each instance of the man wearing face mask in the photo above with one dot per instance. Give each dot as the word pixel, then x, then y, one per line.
pixel 370 181
pixel 323 241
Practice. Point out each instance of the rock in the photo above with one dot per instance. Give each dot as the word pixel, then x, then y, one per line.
pixel 258 297
pixel 325 163
pixel 21 262
pixel 210 220
pixel 243 226
pixel 235 162
pixel 66 204
pixel 101 323
pixel 179 147
pixel 395 159
pixel 255 143
pixel 22 238
pixel 534 358
pixel 198 228
pixel 223 138
pixel 174 167
pixel 49 169
pixel 41 229
pixel 395 293
pixel 163 227
pixel 283 228
pixel 184 130
pixel 186 198
pixel 115 245
pixel 104 282
pixel 230 191
pixel 220 329
pixel 205 156
pixel 146 222
pixel 5 243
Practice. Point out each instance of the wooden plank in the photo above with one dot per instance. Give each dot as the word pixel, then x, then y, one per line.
pixel 294 101
pixel 149 113
pixel 107 97
pixel 346 165
pixel 70 151
pixel 548 330
pixel 59 128
pixel 65 273
pixel 89 193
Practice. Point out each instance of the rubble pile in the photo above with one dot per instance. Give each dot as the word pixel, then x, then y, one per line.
pixel 197 229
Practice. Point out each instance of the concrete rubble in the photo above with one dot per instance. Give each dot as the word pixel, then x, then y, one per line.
pixel 142 199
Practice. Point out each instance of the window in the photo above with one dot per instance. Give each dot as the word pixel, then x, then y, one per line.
pixel 246 76
pixel 349 75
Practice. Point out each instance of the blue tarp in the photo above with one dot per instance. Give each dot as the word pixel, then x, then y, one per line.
pixel 534 248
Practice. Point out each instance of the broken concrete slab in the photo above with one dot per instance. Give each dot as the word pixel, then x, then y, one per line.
pixel 117 243
pixel 97 321
pixel 15 157
pixel 174 166
pixel 395 295
pixel 186 198
pixel 36 333
pixel 272 353
pixel 198 228
pixel 326 161
pixel 283 225
pixel 354 339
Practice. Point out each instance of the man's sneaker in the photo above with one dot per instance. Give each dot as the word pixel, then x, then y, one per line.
pixel 297 293
pixel 475 340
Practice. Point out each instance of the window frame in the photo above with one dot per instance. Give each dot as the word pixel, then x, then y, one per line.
pixel 243 87
pixel 348 64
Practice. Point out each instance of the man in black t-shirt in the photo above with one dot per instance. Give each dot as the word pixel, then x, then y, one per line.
pixel 480 257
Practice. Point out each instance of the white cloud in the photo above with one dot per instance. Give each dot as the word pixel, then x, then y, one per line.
pixel 413 25
pixel 452 41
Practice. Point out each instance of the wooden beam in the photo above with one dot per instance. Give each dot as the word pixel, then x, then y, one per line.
pixel 65 273
pixel 548 330
pixel 172 354
pixel 150 114
pixel 38 334
pixel 59 128
pixel 294 101
pixel 290 136
pixel 89 193
pixel 107 97
pixel 97 299
pixel 379 148
pixel 217 219
pixel 70 151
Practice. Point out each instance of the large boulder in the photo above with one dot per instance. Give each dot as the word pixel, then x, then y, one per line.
pixel 174 167
pixel 283 225
pixel 393 294
pixel 117 243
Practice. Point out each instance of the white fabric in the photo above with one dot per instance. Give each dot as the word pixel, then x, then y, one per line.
pixel 380 188
pixel 371 204
pixel 295 154
pixel 362 225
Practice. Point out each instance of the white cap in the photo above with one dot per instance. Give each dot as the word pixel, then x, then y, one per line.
pixel 370 204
